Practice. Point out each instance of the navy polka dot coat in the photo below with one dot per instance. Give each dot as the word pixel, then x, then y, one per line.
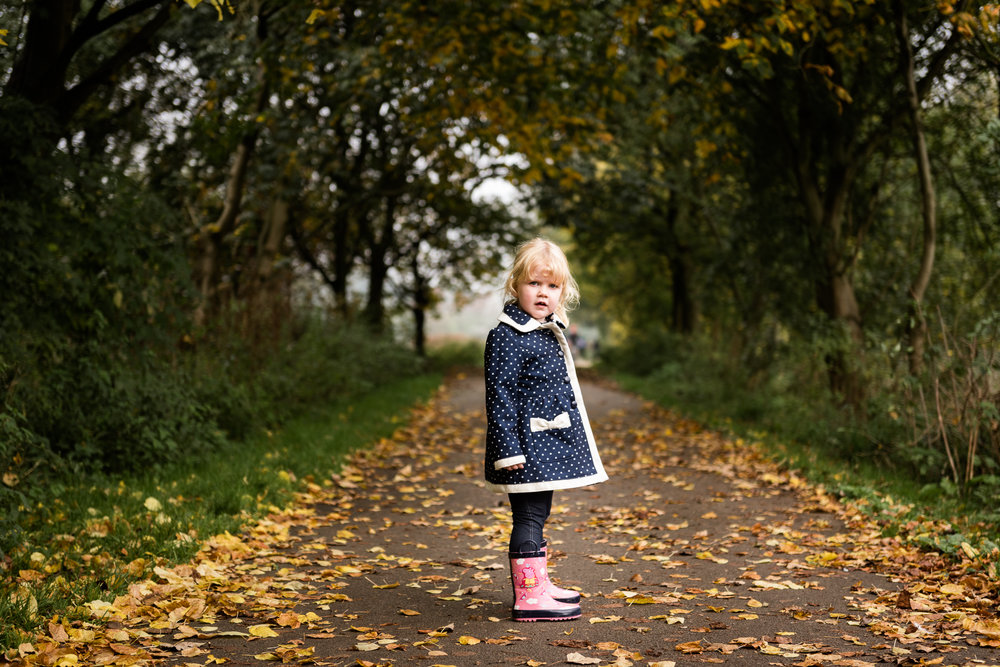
pixel 534 409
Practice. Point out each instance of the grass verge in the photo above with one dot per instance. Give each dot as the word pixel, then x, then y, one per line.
pixel 95 536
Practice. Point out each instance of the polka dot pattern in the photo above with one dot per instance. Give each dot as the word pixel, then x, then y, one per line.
pixel 529 376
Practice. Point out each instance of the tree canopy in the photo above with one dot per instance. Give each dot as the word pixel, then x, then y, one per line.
pixel 175 177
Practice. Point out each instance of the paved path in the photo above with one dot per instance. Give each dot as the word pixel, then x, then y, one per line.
pixel 688 555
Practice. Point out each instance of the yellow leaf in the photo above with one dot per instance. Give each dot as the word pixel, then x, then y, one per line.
pixel 409 612
pixel 68 660
pixel 289 619
pixel 81 635
pixel 466 640
pixel 266 657
pixel 316 13
pixel 262 631
pixel 689 647
pixel 953 589
pixel 969 550
pixel 392 585
pixel 990 628
pixel 152 504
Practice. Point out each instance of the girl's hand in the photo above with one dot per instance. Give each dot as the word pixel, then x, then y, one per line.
pixel 516 466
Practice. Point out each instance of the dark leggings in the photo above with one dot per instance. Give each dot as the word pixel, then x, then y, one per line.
pixel 529 512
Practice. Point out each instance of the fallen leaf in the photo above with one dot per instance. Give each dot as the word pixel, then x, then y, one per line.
pixel 262 631
pixel 689 647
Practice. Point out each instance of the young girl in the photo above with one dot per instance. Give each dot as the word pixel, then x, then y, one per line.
pixel 538 437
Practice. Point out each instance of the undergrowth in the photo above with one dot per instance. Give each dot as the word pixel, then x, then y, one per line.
pixel 790 413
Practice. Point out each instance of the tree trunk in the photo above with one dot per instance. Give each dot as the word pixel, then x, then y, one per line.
pixel 684 315
pixel 378 267
pixel 341 261
pixel 269 243
pixel 420 330
pixel 266 303
pixel 214 235
pixel 835 296
pixel 916 322
pixel 421 302
pixel 40 73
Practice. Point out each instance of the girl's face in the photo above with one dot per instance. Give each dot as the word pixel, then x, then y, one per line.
pixel 539 295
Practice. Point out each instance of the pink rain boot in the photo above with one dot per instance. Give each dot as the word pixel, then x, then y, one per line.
pixel 532 601
pixel 560 594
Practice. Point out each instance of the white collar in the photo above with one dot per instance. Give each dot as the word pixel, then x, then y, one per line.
pixel 555 323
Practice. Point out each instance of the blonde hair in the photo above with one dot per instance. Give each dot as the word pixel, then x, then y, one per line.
pixel 541 257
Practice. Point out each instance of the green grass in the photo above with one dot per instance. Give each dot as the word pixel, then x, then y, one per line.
pixel 456 354
pixel 94 536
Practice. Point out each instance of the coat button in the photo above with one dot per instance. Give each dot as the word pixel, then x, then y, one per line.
pixel 566 380
pixel 573 404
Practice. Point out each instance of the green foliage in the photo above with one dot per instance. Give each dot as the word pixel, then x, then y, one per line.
pixel 952 411
pixel 126 418
pixel 328 363
pixel 445 356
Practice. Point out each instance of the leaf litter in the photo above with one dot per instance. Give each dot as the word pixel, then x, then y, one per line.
pixel 714 550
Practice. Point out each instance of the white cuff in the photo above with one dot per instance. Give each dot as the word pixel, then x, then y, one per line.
pixel 511 461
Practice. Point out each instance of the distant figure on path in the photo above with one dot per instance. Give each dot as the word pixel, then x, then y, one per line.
pixel 538 436
pixel 577 341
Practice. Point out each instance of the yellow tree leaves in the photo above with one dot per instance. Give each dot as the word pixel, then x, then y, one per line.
pixel 220 5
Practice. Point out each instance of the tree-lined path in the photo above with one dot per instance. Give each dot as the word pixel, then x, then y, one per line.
pixel 697 551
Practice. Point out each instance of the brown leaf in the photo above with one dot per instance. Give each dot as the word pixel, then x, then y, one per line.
pixel 689 647
pixel 58 633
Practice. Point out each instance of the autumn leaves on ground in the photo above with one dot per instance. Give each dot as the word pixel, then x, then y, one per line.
pixel 697 551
